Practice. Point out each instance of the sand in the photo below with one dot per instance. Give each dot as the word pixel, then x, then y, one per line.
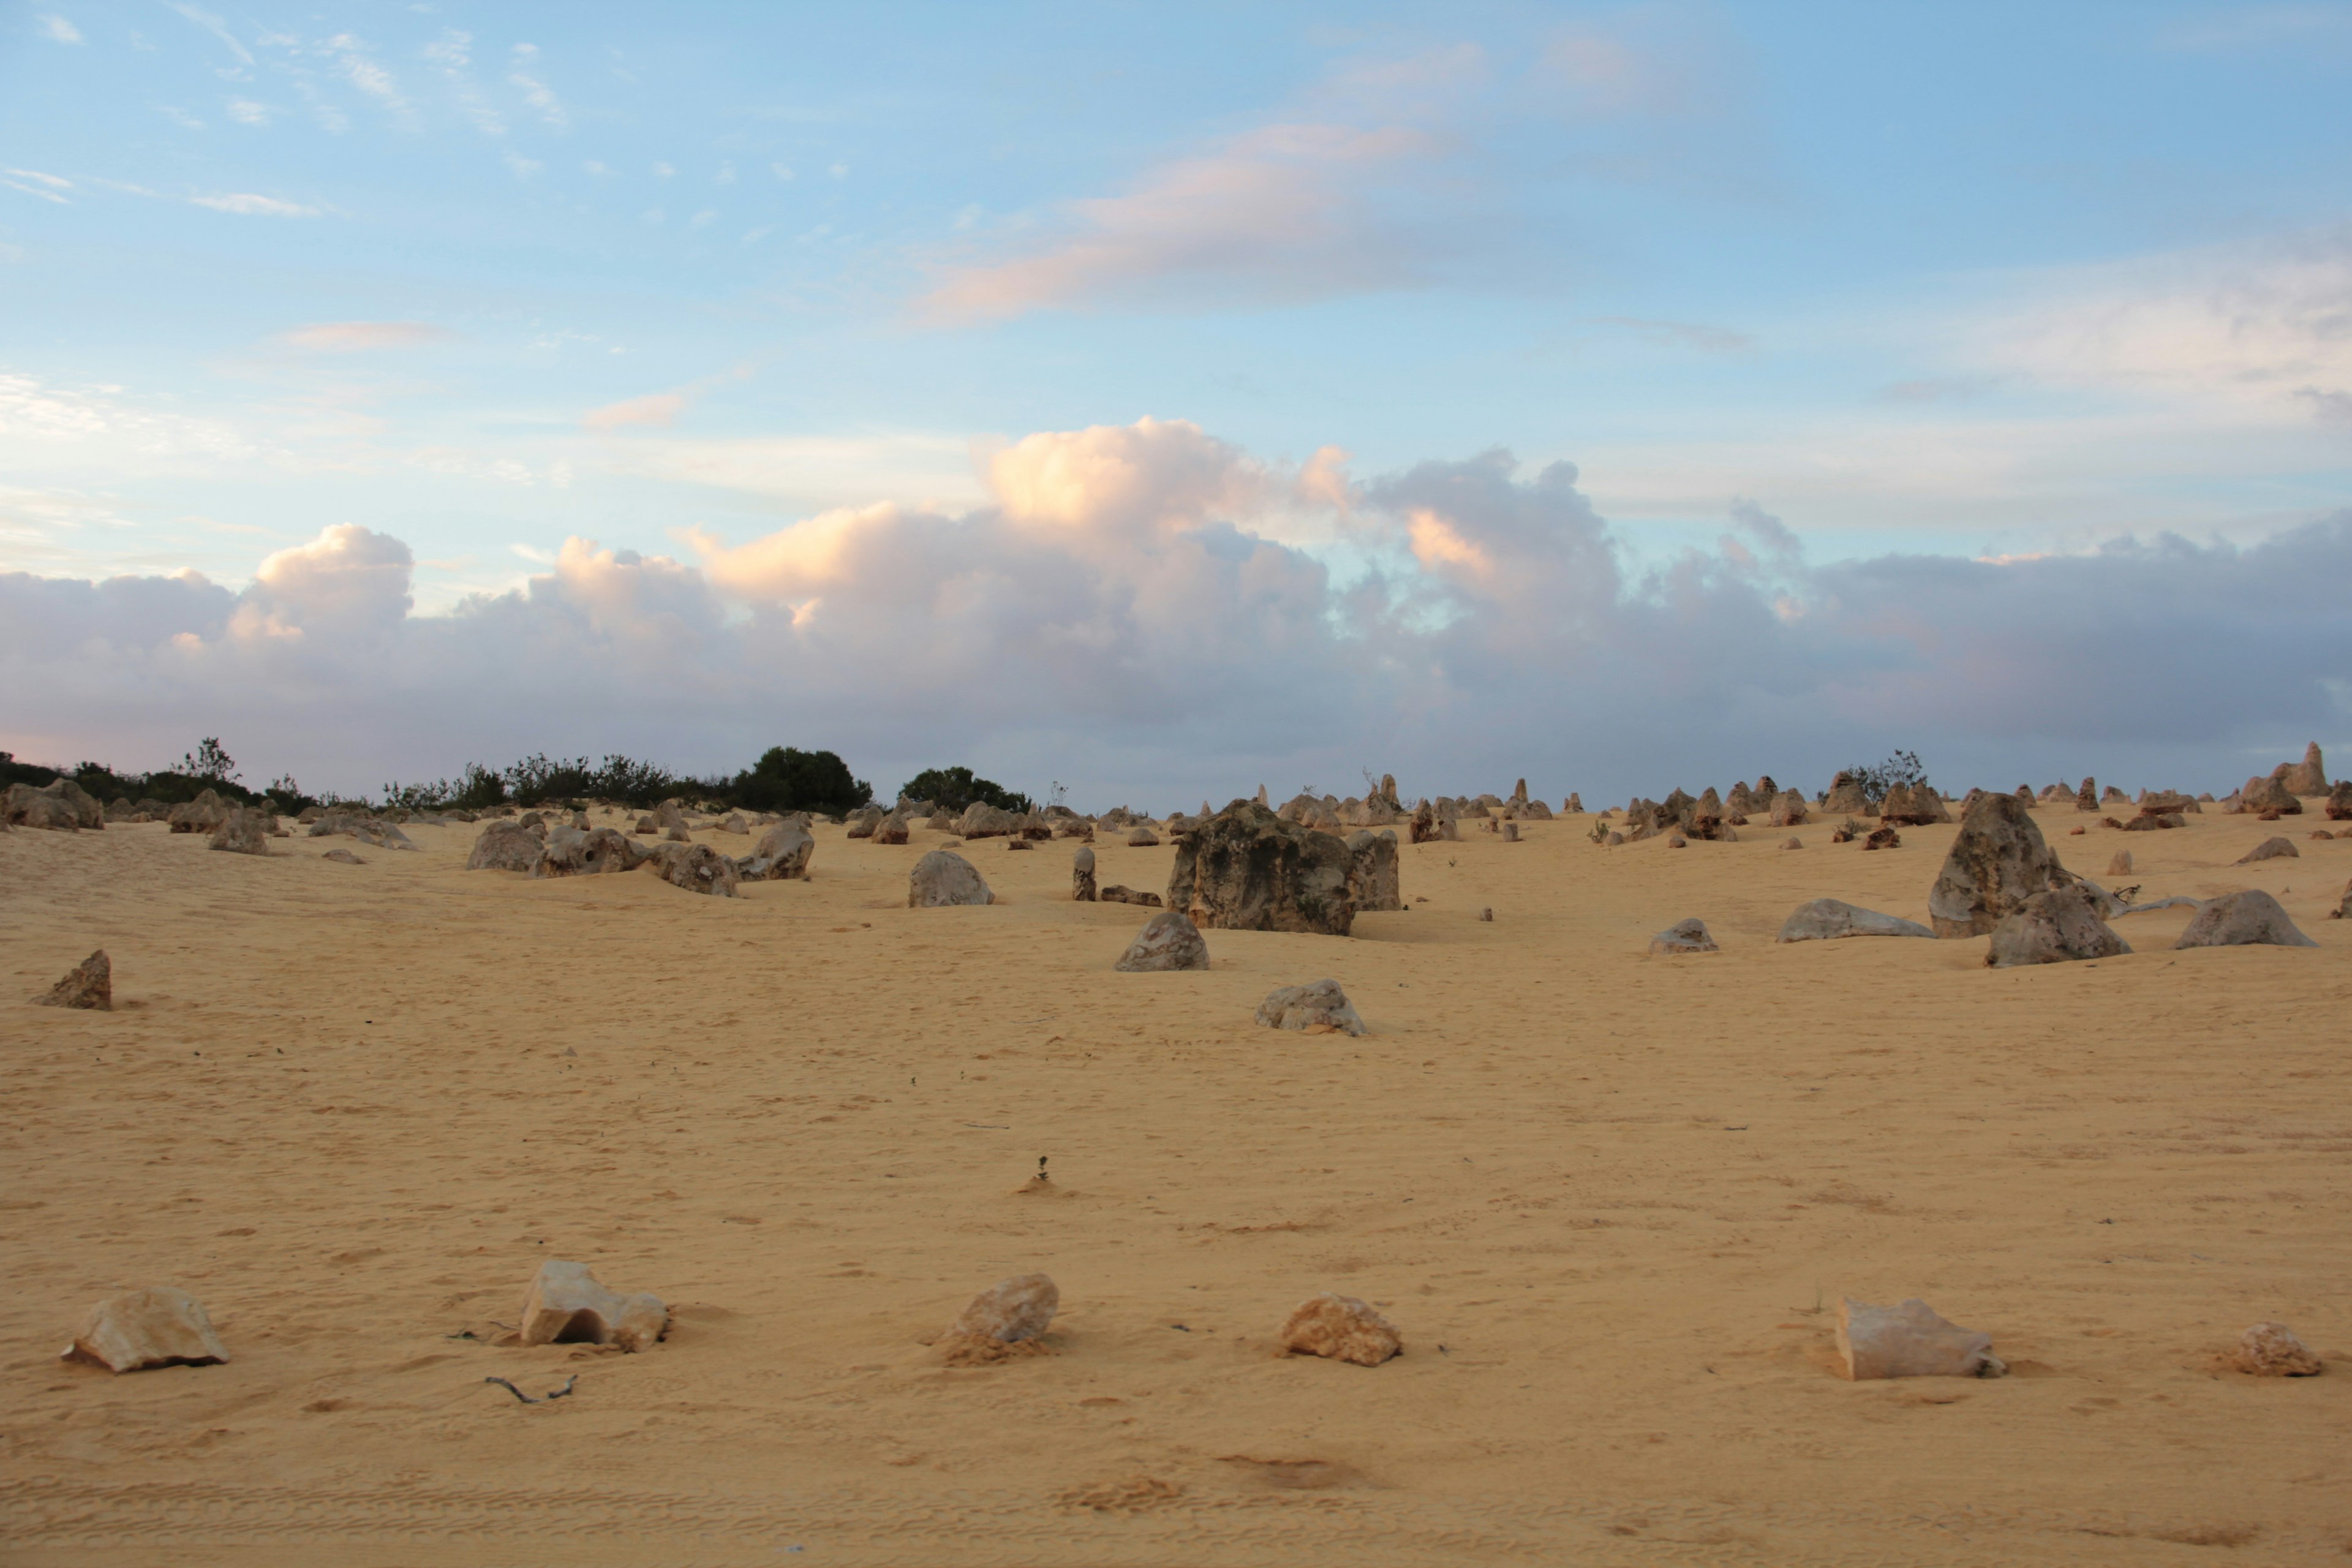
pixel 1610 1200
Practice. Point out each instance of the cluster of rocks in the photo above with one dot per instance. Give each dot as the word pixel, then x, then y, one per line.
pixel 61 805
pixel 529 846
pixel 1011 1318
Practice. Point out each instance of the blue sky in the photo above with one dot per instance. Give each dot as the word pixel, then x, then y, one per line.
pixel 1983 282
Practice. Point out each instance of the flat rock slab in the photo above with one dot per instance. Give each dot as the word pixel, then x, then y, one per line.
pixel 1320 1006
pixel 567 1305
pixel 1169 941
pixel 1826 920
pixel 1911 1340
pixel 156 1326
pixel 2251 919
pixel 1340 1328
pixel 1683 936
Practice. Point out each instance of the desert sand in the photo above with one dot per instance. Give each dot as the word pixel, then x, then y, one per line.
pixel 1609 1200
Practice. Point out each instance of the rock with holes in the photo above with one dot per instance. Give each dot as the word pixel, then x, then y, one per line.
pixel 1683 936
pixel 2272 1350
pixel 502 847
pixel 1246 868
pixel 1321 1006
pixel 2251 919
pixel 943 878
pixel 1167 942
pixel 1010 1312
pixel 1912 1339
pixel 88 984
pixel 782 855
pixel 1372 878
pixel 156 1327
pixel 2271 849
pixel 1828 919
pixel 2062 926
pixel 600 851
pixel 1340 1328
pixel 243 831
pixel 567 1305
pixel 1998 860
pixel 1081 875
pixel 696 867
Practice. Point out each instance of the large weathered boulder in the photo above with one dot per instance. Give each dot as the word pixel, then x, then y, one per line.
pixel 782 855
pixel 2308 776
pixel 1373 878
pixel 862 822
pixel 1788 809
pixel 891 829
pixel 1912 805
pixel 1912 1339
pixel 244 831
pixel 28 807
pixel 943 878
pixel 1081 875
pixel 202 814
pixel 696 867
pixel 2271 849
pixel 600 851
pixel 2272 1350
pixel 672 823
pixel 2057 926
pixel 565 1305
pixel 502 847
pixel 89 984
pixel 1141 837
pixel 1247 869
pixel 2339 802
pixel 156 1327
pixel 2261 798
pixel 981 820
pixel 1997 861
pixel 1683 936
pixel 1340 1328
pixel 2251 919
pixel 1320 1006
pixel 1826 920
pixel 1167 942
pixel 1846 794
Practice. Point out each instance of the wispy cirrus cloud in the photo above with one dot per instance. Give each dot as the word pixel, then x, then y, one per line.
pixel 246 203
pixel 33 183
pixel 525 72
pixel 360 337
pixel 56 29
pixel 215 26
pixel 657 410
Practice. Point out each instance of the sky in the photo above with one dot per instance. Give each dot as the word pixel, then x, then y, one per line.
pixel 1167 400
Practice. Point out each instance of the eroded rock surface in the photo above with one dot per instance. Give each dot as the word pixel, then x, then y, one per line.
pixel 1340 1328
pixel 942 878
pixel 566 1305
pixel 502 847
pixel 2272 1350
pixel 696 867
pixel 2271 849
pixel 89 984
pixel 1683 936
pixel 1010 1311
pixel 1081 875
pixel 2251 919
pixel 782 855
pixel 1167 942
pixel 1912 1339
pixel 156 1327
pixel 1827 919
pixel 2058 927
pixel 1998 860
pixel 1248 869
pixel 1320 1005
pixel 1373 877
pixel 243 831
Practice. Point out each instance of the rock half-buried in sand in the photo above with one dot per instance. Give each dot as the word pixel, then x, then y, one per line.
pixel 782 855
pixel 942 878
pixel 567 1305
pixel 90 983
pixel 1246 868
pixel 1010 1318
pixel 1998 860
pixel 2057 926
pixel 1825 920
pixel 243 831
pixel 1340 1328
pixel 2271 849
pixel 697 867
pixel 1683 936
pixel 1910 1340
pixel 1167 940
pixel 2251 919
pixel 1321 1008
pixel 2272 1350
pixel 504 847
pixel 156 1326
pixel 343 857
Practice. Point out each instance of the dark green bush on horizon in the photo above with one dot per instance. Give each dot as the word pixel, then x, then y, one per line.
pixel 956 788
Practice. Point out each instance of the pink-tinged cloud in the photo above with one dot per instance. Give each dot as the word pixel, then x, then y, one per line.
pixel 657 410
pixel 360 337
pixel 1282 213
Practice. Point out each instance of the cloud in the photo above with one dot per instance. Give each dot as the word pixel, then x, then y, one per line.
pixel 1117 610
pixel 213 25
pixel 56 29
pixel 254 206
pixel 535 90
pixel 245 112
pixel 355 337
pixel 659 410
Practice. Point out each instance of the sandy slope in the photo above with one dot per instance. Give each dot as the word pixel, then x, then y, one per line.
pixel 1607 1197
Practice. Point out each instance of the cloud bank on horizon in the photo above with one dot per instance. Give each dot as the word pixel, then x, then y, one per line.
pixel 1133 613
pixel 392 389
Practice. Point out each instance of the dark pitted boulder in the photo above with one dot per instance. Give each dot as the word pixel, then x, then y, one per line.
pixel 2057 926
pixel 1167 940
pixel 943 878
pixel 502 847
pixel 2251 919
pixel 600 851
pixel 1998 860
pixel 697 867
pixel 1247 869
pixel 1372 880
